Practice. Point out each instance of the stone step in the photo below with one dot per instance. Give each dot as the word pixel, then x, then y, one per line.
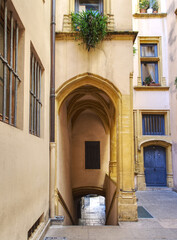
pixel 91 222
pixel 158 189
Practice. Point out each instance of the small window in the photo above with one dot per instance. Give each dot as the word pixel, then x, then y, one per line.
pixel 35 226
pixel 84 5
pixel 35 95
pixel 92 155
pixel 149 63
pixel 153 124
pixel 149 6
pixel 9 78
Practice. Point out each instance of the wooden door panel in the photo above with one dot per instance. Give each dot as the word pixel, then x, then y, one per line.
pixel 155 166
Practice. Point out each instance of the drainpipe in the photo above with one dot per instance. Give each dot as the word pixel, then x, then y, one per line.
pixel 52 117
pixel 52 82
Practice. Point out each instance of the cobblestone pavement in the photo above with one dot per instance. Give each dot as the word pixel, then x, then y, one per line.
pixel 161 204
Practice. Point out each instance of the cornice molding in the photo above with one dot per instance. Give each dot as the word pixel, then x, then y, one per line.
pixel 149 15
pixel 151 88
pixel 115 35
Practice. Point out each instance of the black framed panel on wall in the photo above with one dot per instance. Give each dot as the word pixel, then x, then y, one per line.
pixel 92 155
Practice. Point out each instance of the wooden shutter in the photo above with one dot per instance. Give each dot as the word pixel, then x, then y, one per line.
pixel 92 155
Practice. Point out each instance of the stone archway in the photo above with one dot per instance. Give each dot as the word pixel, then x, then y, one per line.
pixel 87 95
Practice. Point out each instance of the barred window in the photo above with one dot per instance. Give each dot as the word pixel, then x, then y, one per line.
pixel 35 95
pixel 9 79
pixel 153 124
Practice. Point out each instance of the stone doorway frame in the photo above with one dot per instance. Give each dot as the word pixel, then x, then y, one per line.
pixel 141 182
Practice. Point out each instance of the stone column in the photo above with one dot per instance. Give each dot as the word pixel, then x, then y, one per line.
pixel 71 6
pixel 169 167
pixel 127 204
pixel 113 151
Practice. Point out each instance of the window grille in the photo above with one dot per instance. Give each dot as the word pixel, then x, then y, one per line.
pixel 35 96
pixel 153 124
pixel 35 226
pixel 9 79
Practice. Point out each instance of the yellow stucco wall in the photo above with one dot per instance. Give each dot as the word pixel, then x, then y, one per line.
pixel 81 133
pixel 24 158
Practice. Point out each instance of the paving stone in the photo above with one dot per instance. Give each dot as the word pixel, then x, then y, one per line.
pixel 162 205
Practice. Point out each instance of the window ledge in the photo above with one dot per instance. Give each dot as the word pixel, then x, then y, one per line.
pixel 151 88
pixel 149 15
pixel 112 35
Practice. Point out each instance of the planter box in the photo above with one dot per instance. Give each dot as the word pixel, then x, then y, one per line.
pixel 154 84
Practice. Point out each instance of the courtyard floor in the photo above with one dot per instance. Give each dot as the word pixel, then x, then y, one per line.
pixel 161 204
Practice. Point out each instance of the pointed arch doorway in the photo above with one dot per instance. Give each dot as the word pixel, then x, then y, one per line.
pixel 89 109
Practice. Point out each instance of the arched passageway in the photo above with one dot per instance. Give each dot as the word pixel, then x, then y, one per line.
pixel 89 149
pixel 85 119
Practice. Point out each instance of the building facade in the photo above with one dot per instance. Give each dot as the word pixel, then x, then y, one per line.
pixel 152 123
pixel 172 63
pixel 114 117
pixel 24 114
pixel 94 111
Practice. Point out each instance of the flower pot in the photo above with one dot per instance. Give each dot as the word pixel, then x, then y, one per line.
pixel 150 10
pixel 155 11
pixel 154 84
pixel 142 10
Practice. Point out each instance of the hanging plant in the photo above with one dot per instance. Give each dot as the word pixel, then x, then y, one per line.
pixel 91 27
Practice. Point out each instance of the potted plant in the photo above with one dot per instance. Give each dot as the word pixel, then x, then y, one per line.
pixel 155 6
pixel 91 27
pixel 154 84
pixel 143 5
pixel 147 81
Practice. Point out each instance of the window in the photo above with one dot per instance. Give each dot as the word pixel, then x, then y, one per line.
pixel 148 6
pixel 153 124
pixel 92 155
pixel 32 231
pixel 9 79
pixel 35 95
pixel 84 5
pixel 149 63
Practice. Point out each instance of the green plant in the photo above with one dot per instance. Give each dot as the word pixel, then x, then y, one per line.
pixel 155 5
pixel 91 27
pixel 148 80
pixel 134 50
pixel 176 82
pixel 144 4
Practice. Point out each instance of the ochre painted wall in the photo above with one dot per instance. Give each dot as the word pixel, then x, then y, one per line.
pixel 112 59
pixel 88 127
pixel 64 164
pixel 24 158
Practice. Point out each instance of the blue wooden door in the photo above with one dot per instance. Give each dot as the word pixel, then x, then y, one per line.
pixel 155 166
